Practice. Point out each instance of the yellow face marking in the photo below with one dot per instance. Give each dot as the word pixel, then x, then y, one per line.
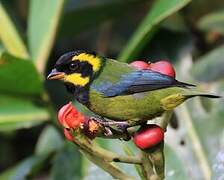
pixel 91 59
pixel 76 79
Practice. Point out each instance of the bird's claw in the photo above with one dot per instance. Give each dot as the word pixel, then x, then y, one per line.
pixel 108 132
pixel 113 126
pixel 116 125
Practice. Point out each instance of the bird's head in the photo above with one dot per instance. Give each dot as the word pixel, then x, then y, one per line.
pixel 77 68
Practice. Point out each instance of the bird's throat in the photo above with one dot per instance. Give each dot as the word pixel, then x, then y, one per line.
pixel 81 94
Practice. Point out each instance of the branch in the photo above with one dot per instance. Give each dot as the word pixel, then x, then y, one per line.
pixel 157 159
pixel 102 157
pixel 154 160
pixel 108 167
pixel 83 130
pixel 165 120
pixel 147 166
pixel 86 145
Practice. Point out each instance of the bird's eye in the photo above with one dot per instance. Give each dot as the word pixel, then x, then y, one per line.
pixel 73 66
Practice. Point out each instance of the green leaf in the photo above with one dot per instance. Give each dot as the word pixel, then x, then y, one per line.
pixel 193 141
pixel 116 146
pixel 160 11
pixel 9 35
pixel 212 22
pixel 1 48
pixel 209 67
pixel 67 164
pixel 81 18
pixel 175 169
pixel 129 152
pixel 199 8
pixel 18 113
pixel 175 23
pixel 19 76
pixel 205 131
pixel 49 141
pixel 94 172
pixel 42 24
pixel 24 169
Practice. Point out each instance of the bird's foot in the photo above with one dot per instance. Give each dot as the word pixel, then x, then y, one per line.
pixel 121 128
pixel 111 127
pixel 116 125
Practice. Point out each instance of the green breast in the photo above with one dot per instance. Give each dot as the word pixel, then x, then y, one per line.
pixel 140 106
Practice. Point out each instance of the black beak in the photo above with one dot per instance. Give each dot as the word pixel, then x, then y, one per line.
pixel 54 74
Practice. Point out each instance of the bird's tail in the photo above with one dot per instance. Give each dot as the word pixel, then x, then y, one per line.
pixel 172 101
pixel 202 95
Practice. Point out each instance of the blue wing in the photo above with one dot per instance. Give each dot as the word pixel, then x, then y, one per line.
pixel 136 82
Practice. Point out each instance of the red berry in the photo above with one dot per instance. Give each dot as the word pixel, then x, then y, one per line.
pixel 163 67
pixel 69 117
pixel 68 135
pixel 140 64
pixel 148 136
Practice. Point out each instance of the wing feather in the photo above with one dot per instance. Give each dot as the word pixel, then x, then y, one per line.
pixel 138 81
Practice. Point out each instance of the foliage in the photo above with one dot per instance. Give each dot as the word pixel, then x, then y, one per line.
pixel 33 34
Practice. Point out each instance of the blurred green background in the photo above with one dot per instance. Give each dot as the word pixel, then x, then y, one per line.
pixel 34 33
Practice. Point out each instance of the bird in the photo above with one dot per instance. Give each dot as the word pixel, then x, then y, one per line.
pixel 118 92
